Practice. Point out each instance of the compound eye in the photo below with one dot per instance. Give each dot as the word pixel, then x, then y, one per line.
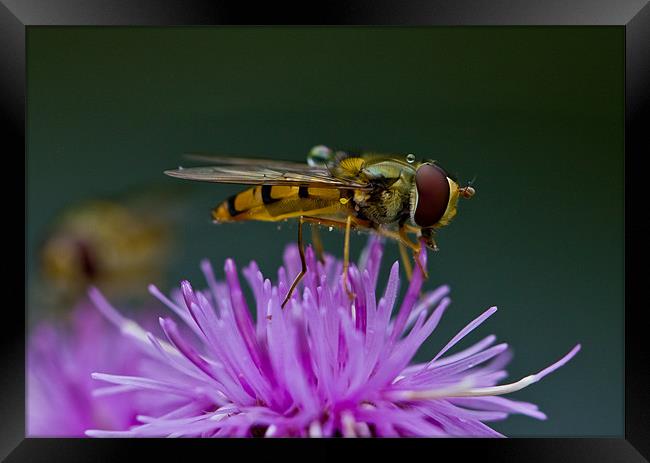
pixel 433 195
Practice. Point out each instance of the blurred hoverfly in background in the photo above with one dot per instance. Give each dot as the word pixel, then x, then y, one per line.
pixel 389 194
pixel 119 244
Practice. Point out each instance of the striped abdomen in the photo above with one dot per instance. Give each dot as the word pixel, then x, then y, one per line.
pixel 273 203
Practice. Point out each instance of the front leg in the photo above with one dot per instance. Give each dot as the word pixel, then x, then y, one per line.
pixel 403 233
pixel 427 234
pixel 402 239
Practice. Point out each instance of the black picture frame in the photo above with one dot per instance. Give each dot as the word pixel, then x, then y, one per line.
pixel 633 15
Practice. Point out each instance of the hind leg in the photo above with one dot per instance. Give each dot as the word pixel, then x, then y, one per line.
pixel 350 222
pixel 303 264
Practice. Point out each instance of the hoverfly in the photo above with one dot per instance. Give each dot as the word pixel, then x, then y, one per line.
pixel 392 195
pixel 116 243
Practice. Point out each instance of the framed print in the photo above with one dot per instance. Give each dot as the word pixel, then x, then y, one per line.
pixel 374 221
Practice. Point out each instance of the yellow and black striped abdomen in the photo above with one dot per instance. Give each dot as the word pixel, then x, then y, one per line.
pixel 272 203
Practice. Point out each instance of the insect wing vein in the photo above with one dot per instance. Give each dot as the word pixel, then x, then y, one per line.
pixel 263 175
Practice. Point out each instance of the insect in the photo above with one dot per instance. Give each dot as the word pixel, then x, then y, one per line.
pixel 116 243
pixel 389 194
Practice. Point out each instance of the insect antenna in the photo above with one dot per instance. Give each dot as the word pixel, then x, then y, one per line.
pixel 468 190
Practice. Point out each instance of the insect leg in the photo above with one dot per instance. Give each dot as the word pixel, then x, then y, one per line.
pixel 348 224
pixel 408 268
pixel 390 234
pixel 416 258
pixel 416 249
pixel 411 228
pixel 303 263
pixel 346 256
pixel 318 243
pixel 336 223
pixel 427 234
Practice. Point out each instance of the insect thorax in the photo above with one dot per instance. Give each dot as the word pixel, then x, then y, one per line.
pixel 382 205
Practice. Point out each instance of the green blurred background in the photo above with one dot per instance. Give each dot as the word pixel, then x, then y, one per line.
pixel 535 113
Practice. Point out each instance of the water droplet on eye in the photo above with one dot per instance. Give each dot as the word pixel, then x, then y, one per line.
pixel 331 228
pixel 410 158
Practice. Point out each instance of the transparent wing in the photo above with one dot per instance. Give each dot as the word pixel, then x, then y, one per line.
pixel 239 161
pixel 266 172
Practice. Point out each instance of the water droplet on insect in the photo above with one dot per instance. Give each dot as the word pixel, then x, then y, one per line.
pixel 331 228
pixel 410 158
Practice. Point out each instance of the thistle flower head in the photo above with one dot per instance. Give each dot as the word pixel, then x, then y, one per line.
pixel 324 365
pixel 61 356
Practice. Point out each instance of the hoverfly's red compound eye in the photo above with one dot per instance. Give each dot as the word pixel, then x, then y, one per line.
pixel 433 195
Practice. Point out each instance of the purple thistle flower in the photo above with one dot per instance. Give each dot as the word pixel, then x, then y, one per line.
pixel 61 356
pixel 62 398
pixel 323 366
